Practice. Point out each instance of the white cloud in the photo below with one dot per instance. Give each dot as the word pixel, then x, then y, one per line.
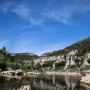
pixel 22 10
pixel 63 13
pixel 5 7
pixel 36 21
pixel 26 13
pixel 37 12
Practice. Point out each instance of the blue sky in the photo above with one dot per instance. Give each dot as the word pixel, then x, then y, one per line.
pixel 39 26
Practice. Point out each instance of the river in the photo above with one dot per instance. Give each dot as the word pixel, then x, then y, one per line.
pixel 43 82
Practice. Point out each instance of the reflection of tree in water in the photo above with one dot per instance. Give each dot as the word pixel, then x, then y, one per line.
pixel 55 83
pixel 73 83
pixel 60 83
pixel 9 83
pixel 52 82
pixel 79 87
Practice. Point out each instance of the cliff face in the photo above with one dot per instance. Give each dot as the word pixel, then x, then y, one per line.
pixel 76 55
pixel 70 59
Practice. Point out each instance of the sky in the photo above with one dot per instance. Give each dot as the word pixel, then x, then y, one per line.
pixel 40 26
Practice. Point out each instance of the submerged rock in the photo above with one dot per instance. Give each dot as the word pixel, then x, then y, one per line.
pixel 26 87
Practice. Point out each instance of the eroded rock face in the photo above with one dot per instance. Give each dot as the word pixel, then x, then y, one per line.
pixel 56 59
pixel 70 58
pixel 86 79
pixel 86 61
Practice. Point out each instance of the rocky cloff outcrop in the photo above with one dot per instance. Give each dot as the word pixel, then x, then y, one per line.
pixel 55 59
pixel 86 59
pixel 75 55
pixel 70 58
pixel 86 79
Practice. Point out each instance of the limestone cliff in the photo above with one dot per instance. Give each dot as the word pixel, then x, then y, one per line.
pixel 77 55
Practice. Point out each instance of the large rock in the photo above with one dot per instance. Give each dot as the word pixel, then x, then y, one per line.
pixel 70 58
pixel 86 60
pixel 26 87
pixel 86 79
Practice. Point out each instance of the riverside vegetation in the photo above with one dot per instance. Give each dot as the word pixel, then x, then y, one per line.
pixel 72 58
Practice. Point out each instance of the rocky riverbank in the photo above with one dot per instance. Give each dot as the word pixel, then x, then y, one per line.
pixel 86 79
pixel 14 73
pixel 61 73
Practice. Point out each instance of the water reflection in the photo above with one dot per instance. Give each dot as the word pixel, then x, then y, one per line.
pixel 51 82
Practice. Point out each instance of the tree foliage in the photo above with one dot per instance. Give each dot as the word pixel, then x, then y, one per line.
pixel 4 57
pixel 24 56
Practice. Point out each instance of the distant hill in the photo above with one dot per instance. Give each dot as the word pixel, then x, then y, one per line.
pixel 82 46
pixel 24 56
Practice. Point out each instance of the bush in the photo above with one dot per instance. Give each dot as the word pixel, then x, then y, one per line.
pixel 37 66
pixel 48 64
pixel 60 64
pixel 72 66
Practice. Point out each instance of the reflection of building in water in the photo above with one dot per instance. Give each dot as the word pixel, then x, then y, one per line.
pixel 70 84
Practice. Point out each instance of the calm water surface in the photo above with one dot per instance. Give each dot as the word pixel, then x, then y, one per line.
pixel 42 83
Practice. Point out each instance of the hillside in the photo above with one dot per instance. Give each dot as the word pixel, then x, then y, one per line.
pixel 24 56
pixel 74 56
pixel 82 47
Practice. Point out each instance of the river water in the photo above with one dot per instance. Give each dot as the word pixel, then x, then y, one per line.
pixel 43 82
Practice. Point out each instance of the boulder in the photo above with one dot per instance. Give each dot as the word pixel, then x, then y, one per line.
pixel 26 87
